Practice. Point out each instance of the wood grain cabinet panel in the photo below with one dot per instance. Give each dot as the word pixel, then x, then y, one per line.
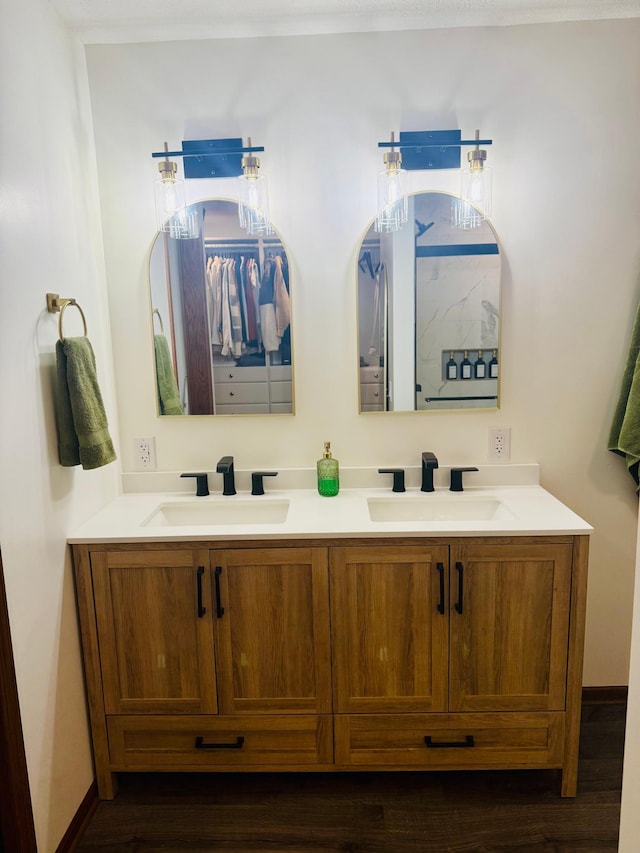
pixel 508 645
pixel 450 740
pixel 390 629
pixel 272 639
pixel 197 743
pixel 156 651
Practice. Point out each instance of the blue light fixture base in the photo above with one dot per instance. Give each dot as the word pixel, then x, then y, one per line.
pixel 441 149
pixel 216 164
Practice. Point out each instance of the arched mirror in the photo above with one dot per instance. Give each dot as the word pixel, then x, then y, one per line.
pixel 221 319
pixel 429 311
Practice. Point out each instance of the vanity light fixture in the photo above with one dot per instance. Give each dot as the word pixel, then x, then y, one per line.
pixel 440 149
pixel 211 158
pixel 476 189
pixel 171 210
pixel 253 194
pixel 393 206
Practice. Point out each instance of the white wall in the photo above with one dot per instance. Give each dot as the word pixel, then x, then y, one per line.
pixel 49 241
pixel 562 103
pixel 630 814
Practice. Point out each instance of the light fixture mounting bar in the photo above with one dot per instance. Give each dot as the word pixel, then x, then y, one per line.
pixel 206 152
pixel 432 149
pixel 211 158
pixel 424 145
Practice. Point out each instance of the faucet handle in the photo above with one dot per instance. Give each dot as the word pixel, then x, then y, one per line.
pixel 202 484
pixel 398 478
pixel 456 478
pixel 257 485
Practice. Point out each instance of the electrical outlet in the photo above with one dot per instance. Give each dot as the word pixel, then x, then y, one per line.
pixel 144 454
pixel 499 444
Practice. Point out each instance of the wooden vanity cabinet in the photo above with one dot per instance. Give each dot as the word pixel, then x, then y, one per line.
pixel 202 657
pixel 457 656
pixel 334 655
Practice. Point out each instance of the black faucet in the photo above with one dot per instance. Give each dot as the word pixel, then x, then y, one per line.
pixel 456 478
pixel 225 467
pixel 257 483
pixel 398 478
pixel 429 464
pixel 202 484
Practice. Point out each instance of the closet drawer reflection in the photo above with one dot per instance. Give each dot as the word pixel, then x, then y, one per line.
pixel 250 409
pixel 242 392
pixel 281 392
pixel 239 374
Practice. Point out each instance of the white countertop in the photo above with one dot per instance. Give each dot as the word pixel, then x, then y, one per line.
pixel 525 510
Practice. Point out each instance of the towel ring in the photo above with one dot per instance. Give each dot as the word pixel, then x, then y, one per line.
pixel 55 304
pixel 156 313
pixel 63 309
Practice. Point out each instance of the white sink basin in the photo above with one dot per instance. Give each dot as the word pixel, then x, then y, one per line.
pixel 225 511
pixel 434 507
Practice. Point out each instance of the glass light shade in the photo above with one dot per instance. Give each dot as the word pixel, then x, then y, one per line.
pixel 253 208
pixel 476 192
pixel 169 199
pixel 393 206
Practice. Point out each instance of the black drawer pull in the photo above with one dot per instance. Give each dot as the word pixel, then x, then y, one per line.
pixel 201 610
pixel 200 744
pixel 468 742
pixel 440 568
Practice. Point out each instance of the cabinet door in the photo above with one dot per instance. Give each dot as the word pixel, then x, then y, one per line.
pixel 272 630
pixel 509 622
pixel 389 628
pixel 153 613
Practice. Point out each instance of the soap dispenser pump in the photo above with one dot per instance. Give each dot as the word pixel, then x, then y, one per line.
pixel 328 473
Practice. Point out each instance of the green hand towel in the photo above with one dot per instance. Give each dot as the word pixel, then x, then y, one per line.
pixel 625 429
pixel 83 433
pixel 168 394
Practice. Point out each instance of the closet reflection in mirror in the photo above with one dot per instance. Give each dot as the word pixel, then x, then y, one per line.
pixel 221 319
pixel 428 312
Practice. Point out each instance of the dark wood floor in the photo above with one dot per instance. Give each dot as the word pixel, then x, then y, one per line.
pixel 483 812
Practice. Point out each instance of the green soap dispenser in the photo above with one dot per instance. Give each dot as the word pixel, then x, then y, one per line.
pixel 328 473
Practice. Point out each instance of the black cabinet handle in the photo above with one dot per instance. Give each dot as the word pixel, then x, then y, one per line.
pixel 201 610
pixel 467 743
pixel 219 607
pixel 200 744
pixel 440 568
pixel 460 570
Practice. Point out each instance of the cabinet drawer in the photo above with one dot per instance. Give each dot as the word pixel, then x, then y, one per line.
pixel 280 392
pixel 280 373
pixel 239 374
pixel 372 374
pixel 457 740
pixel 242 392
pixel 169 741
pixel 242 409
pixel 371 394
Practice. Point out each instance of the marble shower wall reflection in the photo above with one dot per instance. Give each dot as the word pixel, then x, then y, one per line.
pixel 428 312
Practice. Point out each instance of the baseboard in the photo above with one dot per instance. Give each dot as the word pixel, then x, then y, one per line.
pixel 80 821
pixel 604 695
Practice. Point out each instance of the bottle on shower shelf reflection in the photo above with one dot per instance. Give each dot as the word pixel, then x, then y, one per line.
pixel 493 365
pixel 480 367
pixel 452 367
pixel 465 367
